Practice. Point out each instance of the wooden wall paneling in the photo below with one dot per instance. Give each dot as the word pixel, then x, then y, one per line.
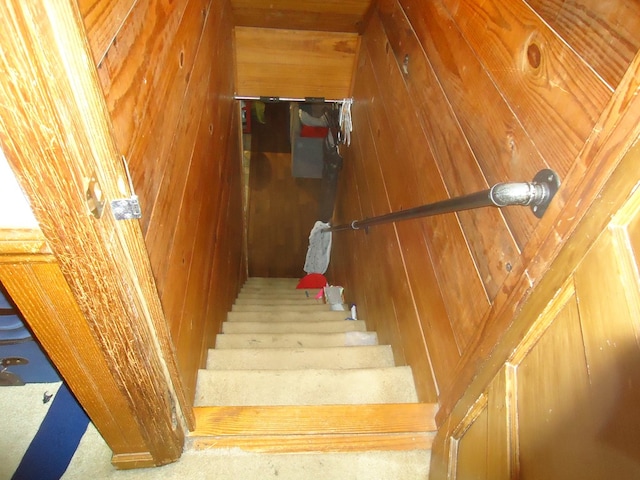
pixel 400 190
pixel 320 15
pixel 502 426
pixel 217 143
pixel 379 246
pixel 604 170
pixel 484 439
pixel 193 236
pixel 607 288
pixel 219 299
pixel 103 20
pixel 604 34
pixel 294 63
pixel 501 147
pixel 485 229
pixel 145 77
pixel 471 447
pixel 443 232
pixel 552 383
pixel 134 82
pixel 555 95
pixel 171 192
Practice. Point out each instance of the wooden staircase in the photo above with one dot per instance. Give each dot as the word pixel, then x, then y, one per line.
pixel 288 375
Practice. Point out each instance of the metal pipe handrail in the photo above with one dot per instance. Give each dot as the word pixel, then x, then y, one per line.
pixel 536 194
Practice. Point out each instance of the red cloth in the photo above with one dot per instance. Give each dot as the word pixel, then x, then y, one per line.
pixel 313 280
pixel 313 132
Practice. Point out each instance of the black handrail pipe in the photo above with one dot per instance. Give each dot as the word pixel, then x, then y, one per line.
pixel 536 194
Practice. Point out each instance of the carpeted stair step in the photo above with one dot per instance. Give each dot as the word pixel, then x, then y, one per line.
pixel 378 356
pixel 315 316
pixel 283 294
pixel 272 283
pixel 305 387
pixel 315 307
pixel 280 301
pixel 336 326
pixel 294 340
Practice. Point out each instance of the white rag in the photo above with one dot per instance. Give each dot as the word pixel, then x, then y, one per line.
pixel 319 249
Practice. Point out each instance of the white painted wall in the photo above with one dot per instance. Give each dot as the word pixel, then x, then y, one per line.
pixel 15 211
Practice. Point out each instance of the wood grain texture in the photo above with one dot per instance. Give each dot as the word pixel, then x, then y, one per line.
pixel 315 420
pixel 604 34
pixel 102 21
pixel 555 95
pixel 490 239
pixel 330 443
pixel 318 15
pixel 502 148
pixel 55 146
pixel 328 428
pixel 572 382
pixel 52 314
pixel 175 120
pixel 604 170
pixel 294 63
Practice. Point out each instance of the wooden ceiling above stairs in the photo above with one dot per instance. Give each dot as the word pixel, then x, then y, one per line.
pixel 321 15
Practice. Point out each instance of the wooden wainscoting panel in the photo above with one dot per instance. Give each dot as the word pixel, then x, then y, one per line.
pixel 604 34
pixel 294 63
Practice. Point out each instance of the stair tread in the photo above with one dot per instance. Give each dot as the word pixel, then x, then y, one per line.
pixel 270 340
pixel 335 326
pixel 305 387
pixel 298 358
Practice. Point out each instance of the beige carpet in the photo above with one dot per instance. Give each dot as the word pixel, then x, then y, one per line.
pixel 23 411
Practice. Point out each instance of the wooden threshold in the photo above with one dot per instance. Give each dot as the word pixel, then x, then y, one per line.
pixel 322 428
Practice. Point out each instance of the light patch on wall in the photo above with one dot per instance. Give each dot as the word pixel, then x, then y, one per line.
pixel 15 211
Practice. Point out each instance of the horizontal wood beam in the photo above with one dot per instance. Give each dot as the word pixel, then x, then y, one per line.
pixel 315 428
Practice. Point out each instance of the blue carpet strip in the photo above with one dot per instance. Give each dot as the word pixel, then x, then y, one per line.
pixel 57 439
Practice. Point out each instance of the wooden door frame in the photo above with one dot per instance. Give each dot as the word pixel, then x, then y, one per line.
pixel 57 137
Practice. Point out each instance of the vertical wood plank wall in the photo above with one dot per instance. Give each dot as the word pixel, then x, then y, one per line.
pixel 167 75
pixel 491 93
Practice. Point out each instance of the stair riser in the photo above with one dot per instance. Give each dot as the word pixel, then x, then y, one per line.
pixel 284 295
pixel 285 316
pixel 294 327
pixel 280 301
pixel 302 340
pixel 280 308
